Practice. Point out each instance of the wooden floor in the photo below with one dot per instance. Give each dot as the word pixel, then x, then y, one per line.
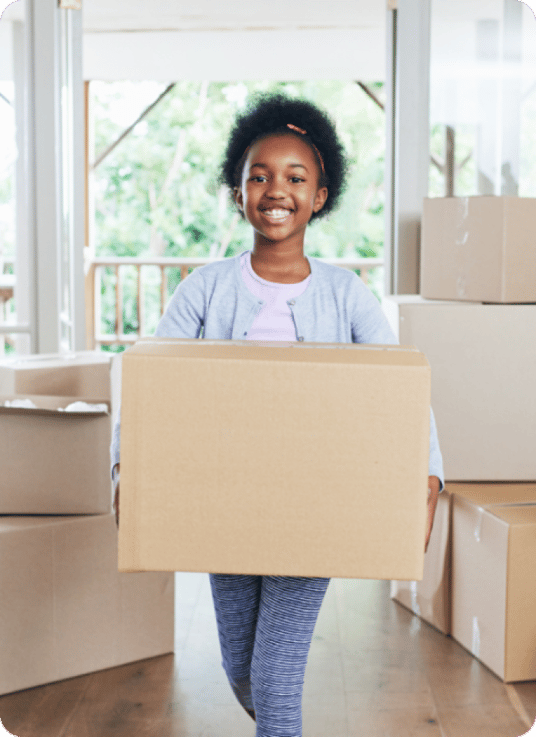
pixel 374 670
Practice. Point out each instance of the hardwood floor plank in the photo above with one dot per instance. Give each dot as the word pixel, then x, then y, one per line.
pixel 375 670
pixel 479 720
pixel 43 711
pixel 129 700
pixel 405 722
pixel 526 691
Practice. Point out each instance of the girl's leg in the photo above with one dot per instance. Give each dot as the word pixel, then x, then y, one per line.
pixel 236 603
pixel 287 616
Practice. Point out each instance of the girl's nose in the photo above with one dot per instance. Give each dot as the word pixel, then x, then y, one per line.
pixel 276 189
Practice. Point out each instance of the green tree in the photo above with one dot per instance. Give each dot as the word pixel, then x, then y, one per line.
pixel 157 192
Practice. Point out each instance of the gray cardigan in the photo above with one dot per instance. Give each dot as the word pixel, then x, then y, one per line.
pixel 214 303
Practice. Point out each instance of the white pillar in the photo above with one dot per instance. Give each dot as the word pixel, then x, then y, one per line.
pixel 389 176
pixel 24 256
pixel 409 135
pixel 511 96
pixel 54 131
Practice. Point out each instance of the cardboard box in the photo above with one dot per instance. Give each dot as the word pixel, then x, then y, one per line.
pixel 65 610
pixel 483 361
pixel 84 374
pixel 479 249
pixel 429 599
pixel 300 459
pixel 54 462
pixel 494 585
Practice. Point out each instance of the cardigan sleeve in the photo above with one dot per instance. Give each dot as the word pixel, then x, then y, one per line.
pixel 184 314
pixel 369 325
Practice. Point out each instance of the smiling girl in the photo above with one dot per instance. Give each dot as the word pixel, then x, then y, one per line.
pixel 285 167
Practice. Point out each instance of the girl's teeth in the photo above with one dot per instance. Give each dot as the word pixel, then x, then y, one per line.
pixel 280 214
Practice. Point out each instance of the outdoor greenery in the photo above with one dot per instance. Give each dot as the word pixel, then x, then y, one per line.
pixel 157 193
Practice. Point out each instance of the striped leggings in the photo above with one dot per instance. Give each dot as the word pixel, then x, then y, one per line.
pixel 265 627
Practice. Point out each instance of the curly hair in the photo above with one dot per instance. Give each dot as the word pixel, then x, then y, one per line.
pixel 268 114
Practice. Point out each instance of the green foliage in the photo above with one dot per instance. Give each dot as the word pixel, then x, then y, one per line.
pixel 164 174
pixel 156 193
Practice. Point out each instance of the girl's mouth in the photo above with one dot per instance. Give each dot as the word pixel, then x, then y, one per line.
pixel 276 214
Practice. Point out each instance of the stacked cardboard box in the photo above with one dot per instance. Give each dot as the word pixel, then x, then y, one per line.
pixel 66 609
pixel 475 320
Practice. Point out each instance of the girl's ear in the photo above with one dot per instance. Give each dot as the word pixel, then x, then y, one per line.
pixel 237 193
pixel 320 199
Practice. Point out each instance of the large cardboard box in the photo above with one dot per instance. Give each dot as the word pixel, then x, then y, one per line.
pixel 431 598
pixel 494 585
pixel 479 249
pixel 83 374
pixel 52 461
pixel 274 458
pixel 483 360
pixel 65 610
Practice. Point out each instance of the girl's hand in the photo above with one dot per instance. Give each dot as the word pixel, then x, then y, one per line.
pixel 433 493
pixel 116 496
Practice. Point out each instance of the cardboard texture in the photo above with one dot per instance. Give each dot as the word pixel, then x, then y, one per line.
pixel 479 249
pixel 54 462
pixel 65 610
pixel 429 599
pixel 483 361
pixel 494 585
pixel 274 458
pixel 84 374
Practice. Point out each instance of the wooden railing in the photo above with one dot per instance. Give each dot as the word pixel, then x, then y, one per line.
pixel 106 273
pixel 7 286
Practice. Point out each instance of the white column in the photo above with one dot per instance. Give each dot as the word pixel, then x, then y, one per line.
pixel 410 138
pixel 54 131
pixel 24 255
pixel 389 177
pixel 44 136
pixel 511 96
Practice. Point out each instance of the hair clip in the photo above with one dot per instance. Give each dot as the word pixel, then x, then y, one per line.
pixel 295 128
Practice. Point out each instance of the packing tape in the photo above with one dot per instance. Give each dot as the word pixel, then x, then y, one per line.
pixel 475 644
pixel 491 507
pixel 414 602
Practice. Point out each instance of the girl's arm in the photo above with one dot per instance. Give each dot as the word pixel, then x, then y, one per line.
pixel 369 325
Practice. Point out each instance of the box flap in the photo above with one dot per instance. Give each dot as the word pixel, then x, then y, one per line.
pixel 50 405
pixel 515 514
pixel 358 353
pixel 494 493
pixel 51 360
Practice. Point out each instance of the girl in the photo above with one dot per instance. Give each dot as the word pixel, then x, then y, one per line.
pixel 285 168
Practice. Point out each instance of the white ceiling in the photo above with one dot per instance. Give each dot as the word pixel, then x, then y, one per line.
pixel 232 14
pixel 157 15
pixel 235 39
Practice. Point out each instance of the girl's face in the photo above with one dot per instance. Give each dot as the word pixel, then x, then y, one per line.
pixel 279 189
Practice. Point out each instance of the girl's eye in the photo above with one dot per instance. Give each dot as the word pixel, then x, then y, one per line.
pixel 258 178
pixel 297 179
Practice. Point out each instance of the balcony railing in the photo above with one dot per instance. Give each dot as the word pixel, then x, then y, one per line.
pixel 7 287
pixel 106 278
